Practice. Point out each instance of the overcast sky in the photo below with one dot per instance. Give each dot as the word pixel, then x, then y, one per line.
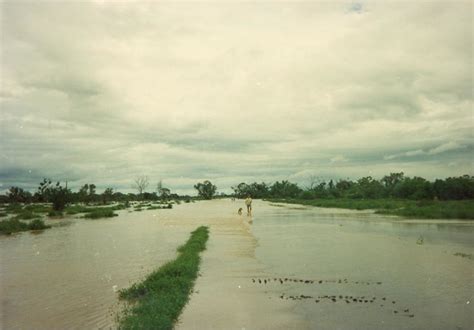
pixel 102 92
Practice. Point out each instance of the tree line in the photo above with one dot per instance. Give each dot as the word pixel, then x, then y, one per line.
pixel 394 185
pixel 60 195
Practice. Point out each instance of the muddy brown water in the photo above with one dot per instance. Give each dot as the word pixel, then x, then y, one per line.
pixel 68 276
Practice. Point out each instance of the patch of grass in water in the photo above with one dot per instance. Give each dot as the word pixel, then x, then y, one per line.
pixel 159 299
pixel 54 213
pixel 10 226
pixel 75 209
pixel 97 214
pixel 26 215
pixel 13 208
pixel 435 210
pixel 38 208
pixel 464 255
pixel 169 206
pixel 38 224
pixel 427 209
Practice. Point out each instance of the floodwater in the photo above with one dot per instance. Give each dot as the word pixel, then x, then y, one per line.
pixel 67 277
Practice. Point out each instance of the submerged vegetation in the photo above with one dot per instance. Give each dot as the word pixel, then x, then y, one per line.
pixel 157 302
pixel 101 213
pixel 426 209
pixel 10 226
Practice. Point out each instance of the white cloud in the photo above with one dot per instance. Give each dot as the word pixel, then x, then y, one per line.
pixel 445 147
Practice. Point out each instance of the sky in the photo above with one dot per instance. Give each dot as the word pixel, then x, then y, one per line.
pixel 102 92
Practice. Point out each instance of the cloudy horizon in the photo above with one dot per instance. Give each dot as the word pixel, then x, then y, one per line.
pixel 102 92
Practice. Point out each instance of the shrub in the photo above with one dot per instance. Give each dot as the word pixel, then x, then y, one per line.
pixel 37 224
pixel 96 214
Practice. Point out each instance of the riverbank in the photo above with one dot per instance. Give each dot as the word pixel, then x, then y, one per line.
pixel 406 208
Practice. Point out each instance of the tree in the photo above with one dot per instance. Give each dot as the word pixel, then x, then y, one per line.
pixel 18 195
pixel 205 189
pixel 285 189
pixel 368 187
pixel 391 181
pixel 141 183
pixel 87 193
pixel 44 189
pixel 414 188
pixel 163 193
pixel 60 196
pixel 107 195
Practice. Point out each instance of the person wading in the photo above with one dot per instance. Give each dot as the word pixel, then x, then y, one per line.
pixel 248 203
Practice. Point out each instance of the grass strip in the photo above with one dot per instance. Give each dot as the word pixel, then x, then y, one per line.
pixel 425 209
pixel 159 299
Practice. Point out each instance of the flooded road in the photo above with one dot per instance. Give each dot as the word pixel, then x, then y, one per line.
pixel 67 277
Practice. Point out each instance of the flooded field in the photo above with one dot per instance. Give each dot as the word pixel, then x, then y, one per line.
pixel 293 267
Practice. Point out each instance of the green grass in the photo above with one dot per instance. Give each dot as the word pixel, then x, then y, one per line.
pixel 155 207
pixel 464 255
pixel 406 208
pixel 435 210
pixel 38 208
pixel 100 213
pixel 26 215
pixel 75 209
pixel 3 214
pixel 54 213
pixel 159 299
pixel 10 226
pixel 13 208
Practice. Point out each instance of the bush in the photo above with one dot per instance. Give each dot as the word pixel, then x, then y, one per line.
pixel 8 227
pixel 26 215
pixel 96 214
pixel 12 226
pixel 37 224
pixel 54 213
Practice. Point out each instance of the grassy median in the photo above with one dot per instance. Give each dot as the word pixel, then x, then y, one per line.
pixel 157 302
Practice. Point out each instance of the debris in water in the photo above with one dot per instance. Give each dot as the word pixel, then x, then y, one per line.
pixel 419 241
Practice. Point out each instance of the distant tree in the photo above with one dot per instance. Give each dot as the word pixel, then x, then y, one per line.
pixel 344 185
pixel 87 193
pixel 205 189
pixel 140 184
pixel 313 182
pixel 44 190
pixel 285 189
pixel 163 193
pixel 455 188
pixel 414 188
pixel 241 190
pixel 368 187
pixel 60 196
pixel 107 195
pixel 18 195
pixel 83 193
pixel 391 181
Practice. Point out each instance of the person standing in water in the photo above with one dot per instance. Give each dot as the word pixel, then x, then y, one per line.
pixel 248 203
